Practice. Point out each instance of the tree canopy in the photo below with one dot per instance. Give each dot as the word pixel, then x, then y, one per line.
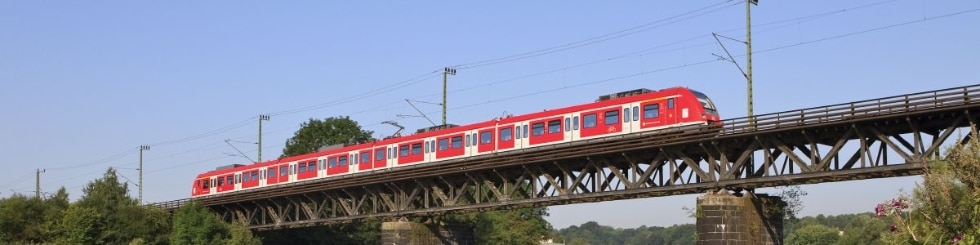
pixel 316 133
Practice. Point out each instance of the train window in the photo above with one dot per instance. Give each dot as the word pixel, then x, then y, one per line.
pixel 262 174
pixel 589 121
pixel 379 154
pixel 537 129
pixel 230 180
pixel 626 115
pixel 457 142
pixel 403 150
pixel 651 111
pixel 432 146
pixel 255 175
pixel 636 113
pixel 292 169
pixel 391 153
pixel 283 171
pixel 416 148
pixel 332 162
pixel 670 103
pixel 612 117
pixel 221 182
pixel 427 146
pixel 467 140
pixel 342 161
pixel 554 126
pixel 443 144
pixel 271 172
pixel 311 166
pixel 524 133
pixel 323 164
pixel 517 129
pixel 506 134
pixel 238 178
pixel 365 157
pixel 353 159
pixel 302 168
pixel 575 123
pixel 486 138
pixel 568 124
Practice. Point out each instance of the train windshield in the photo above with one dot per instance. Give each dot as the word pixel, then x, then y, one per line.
pixel 705 102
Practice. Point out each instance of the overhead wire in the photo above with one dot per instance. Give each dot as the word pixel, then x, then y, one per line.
pixel 868 30
pixel 363 95
pixel 598 39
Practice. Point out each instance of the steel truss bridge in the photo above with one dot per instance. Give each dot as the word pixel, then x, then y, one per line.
pixel 886 137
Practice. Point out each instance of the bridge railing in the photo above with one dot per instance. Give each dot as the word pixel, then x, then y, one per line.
pixel 855 110
pixel 170 205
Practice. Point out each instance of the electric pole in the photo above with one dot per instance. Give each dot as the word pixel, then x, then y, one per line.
pixel 748 53
pixel 142 148
pixel 261 118
pixel 37 184
pixel 448 71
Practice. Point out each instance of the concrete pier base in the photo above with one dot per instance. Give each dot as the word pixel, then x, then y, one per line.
pixel 727 219
pixel 412 233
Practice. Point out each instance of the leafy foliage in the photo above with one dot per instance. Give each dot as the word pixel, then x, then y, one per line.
pixel 814 234
pixel 516 226
pixel 945 207
pixel 359 232
pixel 595 234
pixel 316 133
pixel 194 224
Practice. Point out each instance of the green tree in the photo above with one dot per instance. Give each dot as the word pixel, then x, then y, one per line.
pixel 194 224
pixel 240 235
pixel 80 225
pixel 20 220
pixel 316 133
pixel 119 218
pixel 813 234
pixel 864 230
pixel 518 226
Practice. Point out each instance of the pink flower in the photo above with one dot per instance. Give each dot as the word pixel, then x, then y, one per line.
pixel 957 238
pixel 893 227
pixel 880 210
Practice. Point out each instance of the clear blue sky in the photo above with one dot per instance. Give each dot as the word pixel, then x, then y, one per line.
pixel 82 84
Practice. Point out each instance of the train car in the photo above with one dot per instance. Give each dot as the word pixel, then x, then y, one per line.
pixel 628 112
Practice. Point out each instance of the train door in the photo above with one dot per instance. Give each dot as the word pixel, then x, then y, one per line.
pixel 212 188
pixel 469 138
pixel 521 134
pixel 292 172
pixel 631 117
pixel 567 124
pixel 429 150
pixel 392 155
pixel 671 112
pixel 262 180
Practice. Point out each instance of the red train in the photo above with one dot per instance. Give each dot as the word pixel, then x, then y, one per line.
pixel 615 114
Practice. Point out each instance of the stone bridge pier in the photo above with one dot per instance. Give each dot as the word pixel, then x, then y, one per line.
pixel 725 218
